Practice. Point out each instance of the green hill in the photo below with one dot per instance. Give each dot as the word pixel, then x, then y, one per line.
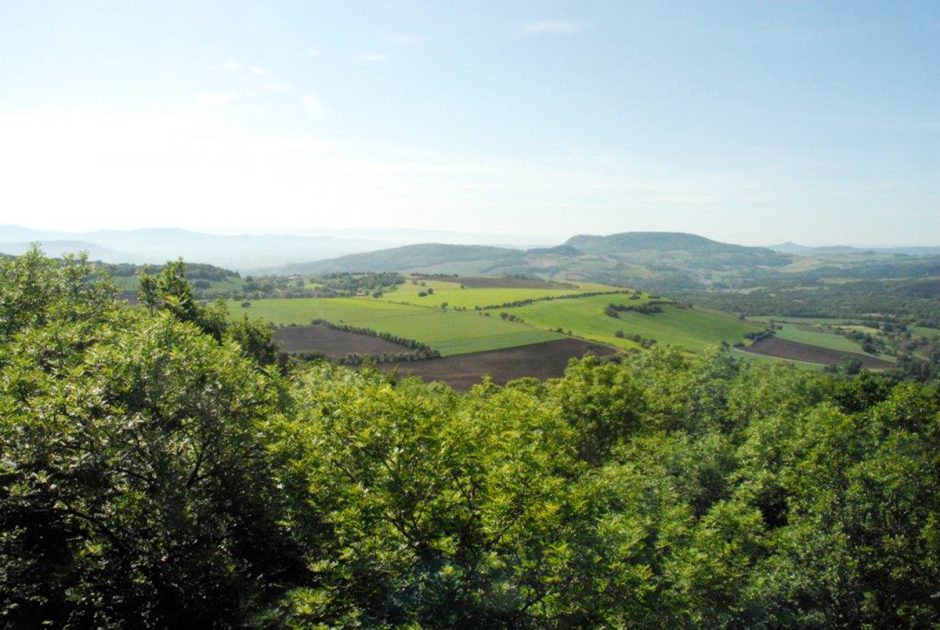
pixel 677 249
pixel 429 258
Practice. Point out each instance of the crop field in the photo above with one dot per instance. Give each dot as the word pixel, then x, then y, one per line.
pixel 511 282
pixel 447 331
pixel 451 293
pixel 541 360
pixel 801 320
pixel 751 357
pixel 822 339
pixel 786 349
pixel 454 331
pixel 331 342
pixel 688 328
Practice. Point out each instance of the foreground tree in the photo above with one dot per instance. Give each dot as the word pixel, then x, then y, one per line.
pixel 134 483
pixel 157 469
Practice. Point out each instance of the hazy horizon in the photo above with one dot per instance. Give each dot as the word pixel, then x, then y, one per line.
pixel 749 123
pixel 399 236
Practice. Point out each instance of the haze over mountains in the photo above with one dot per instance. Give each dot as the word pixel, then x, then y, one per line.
pixel 654 260
pixel 803 250
pixel 242 252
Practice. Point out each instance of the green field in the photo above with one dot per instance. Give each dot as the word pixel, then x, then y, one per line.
pixel 450 332
pixel 762 358
pixel 691 329
pixel 454 331
pixel 451 294
pixel 923 331
pixel 802 334
pixel 801 320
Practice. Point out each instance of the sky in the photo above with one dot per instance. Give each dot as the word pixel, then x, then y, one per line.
pixel 748 121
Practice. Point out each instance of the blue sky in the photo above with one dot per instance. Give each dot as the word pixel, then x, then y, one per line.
pixel 747 121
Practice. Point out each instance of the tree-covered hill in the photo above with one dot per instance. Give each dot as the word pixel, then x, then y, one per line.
pixel 159 467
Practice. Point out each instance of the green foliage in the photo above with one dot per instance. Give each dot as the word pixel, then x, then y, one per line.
pixel 133 486
pixel 154 472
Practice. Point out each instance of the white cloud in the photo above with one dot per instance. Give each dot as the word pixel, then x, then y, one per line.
pixel 374 58
pixel 214 99
pixel 275 87
pixel 232 66
pixel 313 52
pixel 314 107
pixel 258 71
pixel 550 26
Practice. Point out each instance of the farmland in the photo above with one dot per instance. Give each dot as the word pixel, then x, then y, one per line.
pixel 809 336
pixel 447 331
pixel 455 294
pixel 331 342
pixel 541 360
pixel 688 328
pixel 786 349
pixel 464 316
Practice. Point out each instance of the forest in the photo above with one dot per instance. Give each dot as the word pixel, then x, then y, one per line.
pixel 163 465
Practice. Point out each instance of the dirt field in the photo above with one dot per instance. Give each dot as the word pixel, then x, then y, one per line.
pixel 333 343
pixel 541 360
pixel 507 283
pixel 782 348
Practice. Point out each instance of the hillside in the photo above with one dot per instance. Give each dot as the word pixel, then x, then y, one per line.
pixel 429 258
pixel 676 249
pixel 656 260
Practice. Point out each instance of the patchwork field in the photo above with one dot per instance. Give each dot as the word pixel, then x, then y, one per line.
pixel 786 349
pixel 447 331
pixel 463 329
pixel 541 360
pixel 832 341
pixel 688 328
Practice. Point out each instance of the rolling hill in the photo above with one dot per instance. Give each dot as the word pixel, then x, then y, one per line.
pixel 427 258
pixel 676 249
pixel 645 259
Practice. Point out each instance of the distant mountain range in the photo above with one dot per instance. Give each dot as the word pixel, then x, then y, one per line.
pixel 661 261
pixel 680 260
pixel 835 250
pixel 240 252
